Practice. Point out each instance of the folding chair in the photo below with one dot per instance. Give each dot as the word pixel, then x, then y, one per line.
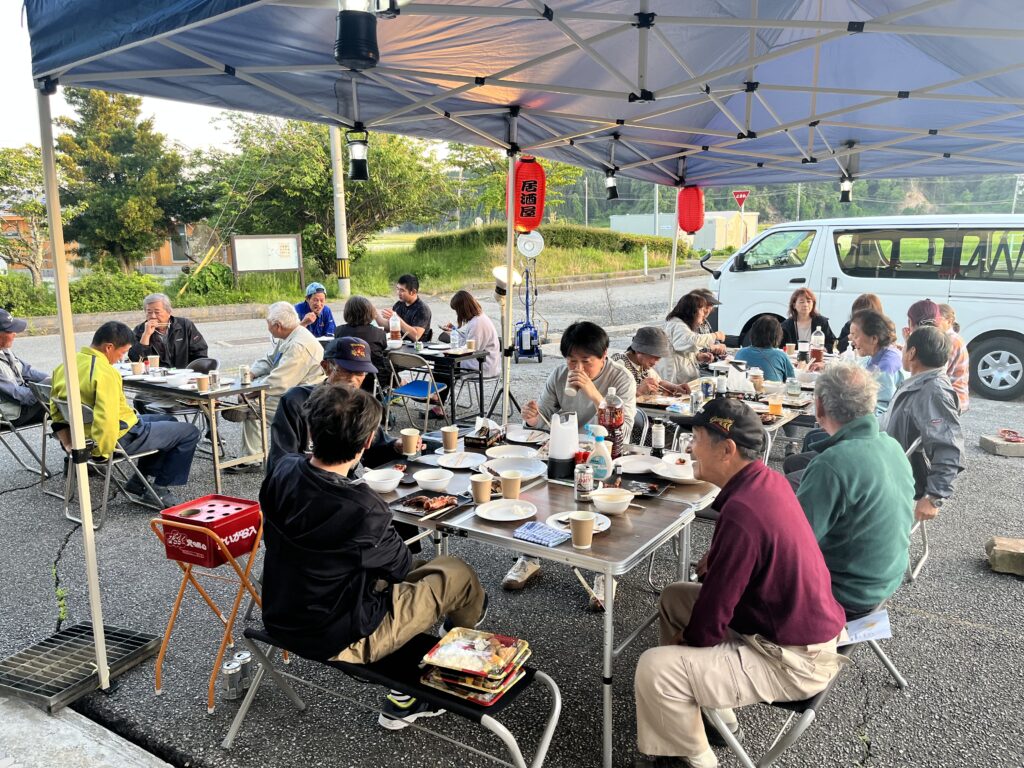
pixel 8 429
pixel 914 569
pixel 471 382
pixel 418 390
pixel 106 467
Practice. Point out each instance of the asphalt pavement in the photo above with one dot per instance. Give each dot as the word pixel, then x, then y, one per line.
pixel 958 637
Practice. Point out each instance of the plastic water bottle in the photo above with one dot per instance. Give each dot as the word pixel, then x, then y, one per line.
pixel 395 326
pixel 600 460
pixel 611 416
pixel 818 345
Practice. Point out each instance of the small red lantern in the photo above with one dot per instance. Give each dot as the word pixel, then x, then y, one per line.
pixel 690 205
pixel 528 188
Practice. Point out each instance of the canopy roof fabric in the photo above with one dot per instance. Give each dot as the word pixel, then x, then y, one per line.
pixel 672 91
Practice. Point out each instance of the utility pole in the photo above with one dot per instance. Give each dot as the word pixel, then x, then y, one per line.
pixel 798 186
pixel 657 188
pixel 1017 189
pixel 586 201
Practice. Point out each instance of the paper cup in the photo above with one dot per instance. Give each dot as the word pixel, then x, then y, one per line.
pixel 450 437
pixel 202 383
pixel 138 368
pixel 791 349
pixel 511 481
pixel 154 361
pixel 481 488
pixel 410 441
pixel 471 345
pixel 581 524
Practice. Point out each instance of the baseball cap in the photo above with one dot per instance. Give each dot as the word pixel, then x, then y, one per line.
pixel 708 296
pixel 733 419
pixel 315 288
pixel 10 324
pixel 924 312
pixel 651 341
pixel 350 353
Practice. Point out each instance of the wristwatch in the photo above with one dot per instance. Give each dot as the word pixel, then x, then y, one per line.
pixel 936 501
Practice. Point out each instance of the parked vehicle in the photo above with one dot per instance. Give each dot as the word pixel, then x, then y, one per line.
pixel 973 262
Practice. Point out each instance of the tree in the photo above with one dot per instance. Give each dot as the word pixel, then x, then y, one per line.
pixel 279 181
pixel 484 175
pixel 21 193
pixel 124 179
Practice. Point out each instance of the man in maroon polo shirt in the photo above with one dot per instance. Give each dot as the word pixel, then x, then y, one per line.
pixel 762 627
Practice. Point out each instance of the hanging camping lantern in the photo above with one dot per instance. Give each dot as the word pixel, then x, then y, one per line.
pixel 690 207
pixel 528 187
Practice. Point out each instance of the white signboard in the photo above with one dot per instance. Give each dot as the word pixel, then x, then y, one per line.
pixel 267 253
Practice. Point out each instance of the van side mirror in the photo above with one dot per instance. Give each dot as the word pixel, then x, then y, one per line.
pixel 715 273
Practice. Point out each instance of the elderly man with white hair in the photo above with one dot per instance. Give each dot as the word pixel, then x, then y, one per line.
pixel 175 339
pixel 294 360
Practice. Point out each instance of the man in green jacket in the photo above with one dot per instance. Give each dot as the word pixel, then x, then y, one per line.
pixel 858 492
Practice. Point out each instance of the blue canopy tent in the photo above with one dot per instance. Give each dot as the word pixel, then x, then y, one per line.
pixel 671 91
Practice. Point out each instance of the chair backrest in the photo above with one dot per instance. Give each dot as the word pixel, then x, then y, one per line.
pixel 399 359
pixel 640 423
pixel 65 411
pixel 203 364
pixel 42 392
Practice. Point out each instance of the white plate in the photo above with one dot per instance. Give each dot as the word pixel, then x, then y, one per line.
pixel 134 376
pixel 682 474
pixel 438 345
pixel 530 468
pixel 506 510
pixel 512 452
pixel 560 522
pixel 461 460
pixel 525 435
pixel 637 465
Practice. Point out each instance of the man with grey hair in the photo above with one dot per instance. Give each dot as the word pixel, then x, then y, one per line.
pixel 927 407
pixel 294 360
pixel 857 492
pixel 175 339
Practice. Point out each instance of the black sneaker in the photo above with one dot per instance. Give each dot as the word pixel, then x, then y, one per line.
pixel 244 469
pixel 448 625
pixel 400 710
pixel 135 487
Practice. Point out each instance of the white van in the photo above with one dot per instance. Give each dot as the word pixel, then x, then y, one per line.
pixel 973 262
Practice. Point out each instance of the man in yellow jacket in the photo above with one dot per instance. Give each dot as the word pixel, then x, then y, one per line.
pixel 115 422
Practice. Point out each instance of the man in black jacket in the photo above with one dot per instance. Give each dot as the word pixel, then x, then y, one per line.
pixel 338 581
pixel 175 339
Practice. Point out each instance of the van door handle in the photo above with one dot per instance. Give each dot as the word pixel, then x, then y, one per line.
pixel 835 282
pixel 798 280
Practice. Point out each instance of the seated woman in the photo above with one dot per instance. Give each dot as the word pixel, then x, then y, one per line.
pixel 681 326
pixel 804 319
pixel 873 336
pixel 862 302
pixel 472 323
pixel 359 314
pixel 763 351
pixel 648 346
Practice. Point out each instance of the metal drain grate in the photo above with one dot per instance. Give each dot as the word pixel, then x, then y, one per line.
pixel 60 669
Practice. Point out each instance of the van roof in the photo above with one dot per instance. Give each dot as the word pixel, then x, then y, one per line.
pixel 952 219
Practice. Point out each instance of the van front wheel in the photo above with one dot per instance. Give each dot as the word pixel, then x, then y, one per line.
pixel 997 368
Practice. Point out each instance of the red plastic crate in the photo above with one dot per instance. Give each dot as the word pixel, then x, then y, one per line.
pixel 236 521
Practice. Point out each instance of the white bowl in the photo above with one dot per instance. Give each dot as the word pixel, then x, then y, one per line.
pixel 178 379
pixel 774 387
pixel 433 479
pixel 806 377
pixel 611 501
pixel 394 343
pixel 383 480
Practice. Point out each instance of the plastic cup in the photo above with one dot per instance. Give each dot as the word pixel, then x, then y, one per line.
pixel 410 441
pixel 775 405
pixel 481 488
pixel 450 438
pixel 511 482
pixel 471 345
pixel 791 349
pixel 154 361
pixel 138 368
pixel 581 525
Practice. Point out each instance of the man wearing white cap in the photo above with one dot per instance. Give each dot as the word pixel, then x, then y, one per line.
pixel 17 403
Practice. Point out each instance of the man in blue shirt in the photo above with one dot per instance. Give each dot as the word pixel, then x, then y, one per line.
pixel 314 313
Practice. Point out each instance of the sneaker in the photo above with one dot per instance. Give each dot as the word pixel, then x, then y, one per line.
pixel 400 710
pixel 597 603
pixel 715 738
pixel 167 497
pixel 244 469
pixel 522 573
pixel 135 487
pixel 792 448
pixel 448 625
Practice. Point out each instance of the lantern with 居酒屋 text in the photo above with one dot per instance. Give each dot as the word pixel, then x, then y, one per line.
pixel 528 190
pixel 690 205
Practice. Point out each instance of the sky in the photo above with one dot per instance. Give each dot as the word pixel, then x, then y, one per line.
pixel 185 124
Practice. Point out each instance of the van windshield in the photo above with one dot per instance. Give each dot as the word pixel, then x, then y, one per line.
pixel 779 250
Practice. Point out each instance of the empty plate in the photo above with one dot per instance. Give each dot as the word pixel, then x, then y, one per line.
pixel 520 434
pixel 637 465
pixel 438 345
pixel 461 460
pixel 677 473
pixel 506 510
pixel 512 452
pixel 560 521
pixel 530 468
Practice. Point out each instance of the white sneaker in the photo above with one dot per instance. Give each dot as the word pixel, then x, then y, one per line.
pixel 597 603
pixel 522 573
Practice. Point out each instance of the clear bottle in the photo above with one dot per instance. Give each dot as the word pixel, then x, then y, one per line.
pixel 611 416
pixel 818 345
pixel 395 327
pixel 600 460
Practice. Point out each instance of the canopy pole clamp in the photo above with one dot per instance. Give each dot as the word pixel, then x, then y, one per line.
pixel 644 20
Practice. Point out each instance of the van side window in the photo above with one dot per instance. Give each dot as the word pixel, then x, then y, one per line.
pixel 992 254
pixel 780 250
pixel 914 254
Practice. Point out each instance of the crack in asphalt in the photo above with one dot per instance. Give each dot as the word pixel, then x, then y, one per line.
pixel 861 729
pixel 57 589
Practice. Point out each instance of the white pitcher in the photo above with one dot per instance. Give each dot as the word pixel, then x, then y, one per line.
pixel 565 438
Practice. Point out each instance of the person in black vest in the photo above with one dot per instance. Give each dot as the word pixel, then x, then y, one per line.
pixel 175 339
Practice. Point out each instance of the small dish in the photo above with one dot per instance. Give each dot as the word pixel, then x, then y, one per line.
pixel 611 501
pixel 636 464
pixel 461 460
pixel 433 479
pixel 506 510
pixel 530 468
pixel 383 480
pixel 525 435
pixel 560 521
pixel 511 452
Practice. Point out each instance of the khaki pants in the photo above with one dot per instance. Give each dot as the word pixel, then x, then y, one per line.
pixel 252 437
pixel 674 681
pixel 445 586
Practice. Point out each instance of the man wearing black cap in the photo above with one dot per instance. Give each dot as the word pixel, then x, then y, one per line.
pixel 17 403
pixel 763 625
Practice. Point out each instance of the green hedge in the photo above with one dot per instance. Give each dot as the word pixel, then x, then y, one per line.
pixel 555 236
pixel 19 297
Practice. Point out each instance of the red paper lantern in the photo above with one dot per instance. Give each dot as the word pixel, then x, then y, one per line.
pixel 690 205
pixel 528 188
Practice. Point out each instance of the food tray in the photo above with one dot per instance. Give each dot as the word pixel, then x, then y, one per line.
pixel 473 697
pixel 482 684
pixel 480 654
pixel 647 484
pixel 399 505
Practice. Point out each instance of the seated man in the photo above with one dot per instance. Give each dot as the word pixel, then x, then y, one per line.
pixel 314 313
pixel 926 406
pixel 115 422
pixel 762 627
pixel 175 339
pixel 588 371
pixel 338 582
pixel 413 313
pixel 17 403
pixel 295 359
pixel 857 492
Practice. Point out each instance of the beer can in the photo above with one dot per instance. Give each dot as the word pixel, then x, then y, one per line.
pixel 418 346
pixel 707 388
pixel 231 674
pixel 583 482
pixel 244 659
pixel 244 374
pixel 214 379
pixel 696 401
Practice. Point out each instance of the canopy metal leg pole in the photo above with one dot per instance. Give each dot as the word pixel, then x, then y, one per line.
pixel 672 267
pixel 506 358
pixel 340 220
pixel 74 398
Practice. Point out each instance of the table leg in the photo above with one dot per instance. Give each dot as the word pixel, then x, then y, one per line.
pixel 211 419
pixel 608 653
pixel 683 563
pixel 480 381
pixel 451 389
pixel 263 427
